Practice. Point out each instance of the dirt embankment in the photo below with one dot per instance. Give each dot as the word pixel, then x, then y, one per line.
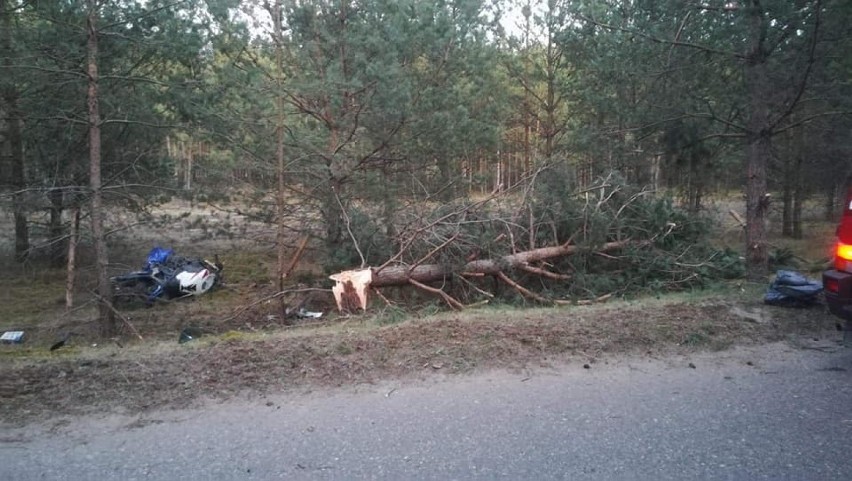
pixel 144 376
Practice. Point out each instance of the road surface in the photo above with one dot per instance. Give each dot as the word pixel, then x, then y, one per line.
pixel 771 412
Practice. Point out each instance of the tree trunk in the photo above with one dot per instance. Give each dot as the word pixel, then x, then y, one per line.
pixel 757 204
pixel 797 214
pixel 550 107
pixel 106 316
pixel 333 217
pixel 57 244
pixel 400 275
pixel 16 145
pixel 830 202
pixel 759 145
pixel 71 274
pixel 787 200
pixel 187 172
pixel 19 183
pixel 798 199
pixel 280 198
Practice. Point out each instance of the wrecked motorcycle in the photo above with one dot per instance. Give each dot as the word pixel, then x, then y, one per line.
pixel 167 276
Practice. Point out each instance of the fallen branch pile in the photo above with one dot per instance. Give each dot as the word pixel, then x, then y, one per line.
pixel 625 239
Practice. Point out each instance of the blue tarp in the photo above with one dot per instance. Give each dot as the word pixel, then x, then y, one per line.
pixel 792 289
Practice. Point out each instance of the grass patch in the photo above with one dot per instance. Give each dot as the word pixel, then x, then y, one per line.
pixel 31 299
pixel 248 267
pixel 363 349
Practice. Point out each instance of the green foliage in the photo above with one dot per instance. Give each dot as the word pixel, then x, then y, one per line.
pixel 389 108
pixel 783 258
pixel 371 240
pixel 670 249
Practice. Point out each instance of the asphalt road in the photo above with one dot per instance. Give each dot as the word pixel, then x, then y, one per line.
pixel 773 412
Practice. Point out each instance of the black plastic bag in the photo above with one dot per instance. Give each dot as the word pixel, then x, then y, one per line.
pixel 792 289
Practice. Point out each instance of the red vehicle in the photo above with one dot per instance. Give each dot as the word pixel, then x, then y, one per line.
pixel 838 281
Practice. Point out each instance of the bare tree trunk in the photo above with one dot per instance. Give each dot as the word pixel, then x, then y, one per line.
pixel 280 199
pixel 16 145
pixel 798 199
pixel 73 238
pixel 787 200
pixel 527 145
pixel 333 215
pixel 759 145
pixel 695 186
pixel 187 172
pixel 797 214
pixel 57 244
pixel 400 275
pixel 106 316
pixel 757 204
pixel 830 202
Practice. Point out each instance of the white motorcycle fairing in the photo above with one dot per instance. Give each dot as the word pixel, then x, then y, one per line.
pixel 196 283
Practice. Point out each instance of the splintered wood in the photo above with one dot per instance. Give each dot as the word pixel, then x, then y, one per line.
pixel 350 289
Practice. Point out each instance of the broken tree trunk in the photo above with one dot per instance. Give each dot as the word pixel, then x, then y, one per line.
pixel 401 275
pixel 351 287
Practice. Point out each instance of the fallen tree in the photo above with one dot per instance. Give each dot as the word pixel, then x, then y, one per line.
pixel 400 275
pixel 620 240
pixel 352 286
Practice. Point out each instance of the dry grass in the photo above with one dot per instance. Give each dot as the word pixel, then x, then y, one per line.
pixel 159 374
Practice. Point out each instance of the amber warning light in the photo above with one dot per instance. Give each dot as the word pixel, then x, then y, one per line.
pixel 842 256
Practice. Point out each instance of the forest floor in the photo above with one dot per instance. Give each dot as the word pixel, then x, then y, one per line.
pixel 250 349
pixel 105 377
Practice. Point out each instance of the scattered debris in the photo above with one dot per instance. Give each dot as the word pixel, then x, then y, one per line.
pixel 12 337
pixel 305 314
pixel 691 365
pixel 586 366
pixel 190 334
